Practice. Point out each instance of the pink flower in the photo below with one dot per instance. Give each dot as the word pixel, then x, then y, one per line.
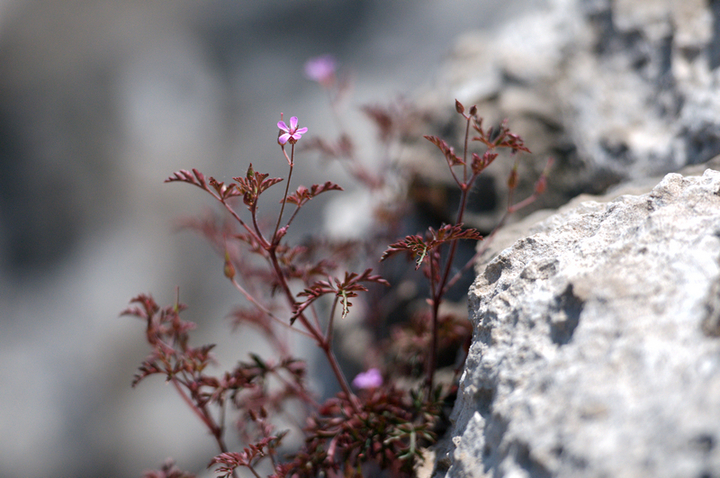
pixel 369 379
pixel 321 69
pixel 291 134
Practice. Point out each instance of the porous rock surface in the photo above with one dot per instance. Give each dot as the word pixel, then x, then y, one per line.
pixel 613 90
pixel 595 349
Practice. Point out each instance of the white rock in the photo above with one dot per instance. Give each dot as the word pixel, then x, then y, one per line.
pixel 613 90
pixel 595 351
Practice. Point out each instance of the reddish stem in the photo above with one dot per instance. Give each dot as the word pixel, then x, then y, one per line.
pixel 266 310
pixel 315 332
pixel 259 238
pixel 438 290
pixel 204 415
pixel 291 160
pixel 465 149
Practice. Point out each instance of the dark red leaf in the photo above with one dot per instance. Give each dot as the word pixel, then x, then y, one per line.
pixel 254 184
pixel 448 151
pixel 419 248
pixel 302 195
pixel 196 178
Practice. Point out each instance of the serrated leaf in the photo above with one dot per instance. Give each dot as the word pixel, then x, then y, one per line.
pixel 254 184
pixel 195 178
pixel 479 163
pixel 415 245
pixel 344 289
pixel 446 149
pixel 419 247
pixel 302 195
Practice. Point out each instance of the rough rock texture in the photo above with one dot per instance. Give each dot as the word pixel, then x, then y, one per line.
pixel 595 349
pixel 509 234
pixel 614 90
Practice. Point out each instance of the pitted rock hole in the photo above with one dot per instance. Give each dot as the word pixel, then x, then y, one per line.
pixel 564 322
pixel 493 451
pixel 494 270
pixel 527 462
pixel 484 399
pixel 711 322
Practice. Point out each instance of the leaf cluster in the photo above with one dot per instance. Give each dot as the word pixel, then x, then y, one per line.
pixel 388 432
pixel 248 458
pixel 418 247
pixel 168 470
pixel 167 333
pixel 343 290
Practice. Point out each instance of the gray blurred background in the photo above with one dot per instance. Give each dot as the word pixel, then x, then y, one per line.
pixel 100 101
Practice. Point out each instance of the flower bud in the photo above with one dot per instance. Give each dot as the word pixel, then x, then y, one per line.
pixel 459 107
pixel 541 184
pixel 228 268
pixel 513 178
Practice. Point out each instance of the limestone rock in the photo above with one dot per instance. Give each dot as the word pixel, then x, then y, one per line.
pixel 595 349
pixel 614 90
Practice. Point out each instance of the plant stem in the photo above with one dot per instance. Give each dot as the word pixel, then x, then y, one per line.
pixel 341 377
pixel 324 342
pixel 329 331
pixel 465 149
pixel 275 239
pixel 433 345
pixel 438 292
pixel 208 423
pixel 315 332
pixel 252 470
pixel 215 430
pixel 265 310
pixel 260 239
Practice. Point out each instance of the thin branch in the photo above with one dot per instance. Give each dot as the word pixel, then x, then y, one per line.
pixel 208 423
pixel 253 471
pixel 235 215
pixel 266 311
pixel 465 149
pixel 315 316
pixel 216 431
pixel 329 331
pixel 275 239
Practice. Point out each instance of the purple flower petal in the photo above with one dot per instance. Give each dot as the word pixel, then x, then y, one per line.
pixel 370 379
pixel 320 68
pixel 291 133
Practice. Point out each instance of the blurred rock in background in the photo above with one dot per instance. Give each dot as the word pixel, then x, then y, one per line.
pixel 614 90
pixel 100 102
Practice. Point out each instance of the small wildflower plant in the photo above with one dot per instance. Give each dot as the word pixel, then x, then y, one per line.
pixel 384 417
